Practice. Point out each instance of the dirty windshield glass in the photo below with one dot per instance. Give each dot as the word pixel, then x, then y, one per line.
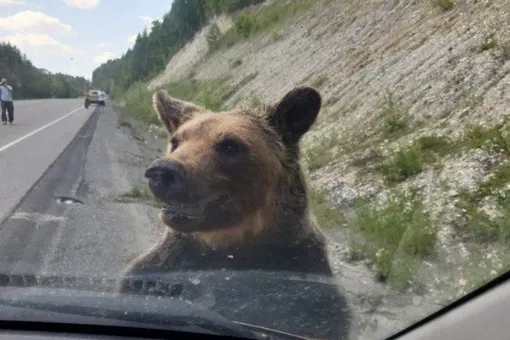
pixel 329 169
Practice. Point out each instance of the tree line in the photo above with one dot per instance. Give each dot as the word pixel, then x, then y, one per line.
pixel 151 51
pixel 30 82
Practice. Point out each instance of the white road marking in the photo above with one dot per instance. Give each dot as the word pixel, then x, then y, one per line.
pixel 5 147
pixel 38 218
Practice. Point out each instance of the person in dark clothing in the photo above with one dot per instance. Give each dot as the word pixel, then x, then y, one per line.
pixel 6 99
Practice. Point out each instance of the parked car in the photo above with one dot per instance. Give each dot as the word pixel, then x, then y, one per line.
pixel 97 97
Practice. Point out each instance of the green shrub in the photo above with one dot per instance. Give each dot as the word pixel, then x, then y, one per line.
pixel 410 161
pixel 213 36
pixel 327 215
pixel 478 136
pixel 211 93
pixel 445 4
pixel 489 42
pixel 395 120
pixel 253 21
pixel 403 164
pixel 395 236
pixel 138 102
pixel 322 153
pixel 481 228
pixel 245 25
pixel 255 101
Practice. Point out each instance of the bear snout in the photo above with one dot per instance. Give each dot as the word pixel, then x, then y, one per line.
pixel 165 178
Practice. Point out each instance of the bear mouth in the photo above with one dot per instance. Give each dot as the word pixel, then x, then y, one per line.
pixel 174 213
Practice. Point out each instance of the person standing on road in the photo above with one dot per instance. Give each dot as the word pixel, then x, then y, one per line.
pixel 101 97
pixel 6 99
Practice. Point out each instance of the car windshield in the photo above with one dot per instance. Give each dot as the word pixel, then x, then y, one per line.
pixel 326 169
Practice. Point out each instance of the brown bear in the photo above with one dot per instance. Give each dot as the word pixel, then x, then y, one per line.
pixel 235 198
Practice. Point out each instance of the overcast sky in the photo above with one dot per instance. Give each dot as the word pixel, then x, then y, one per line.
pixel 76 36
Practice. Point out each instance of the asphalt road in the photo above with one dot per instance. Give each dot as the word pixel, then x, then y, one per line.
pixel 41 131
pixel 63 171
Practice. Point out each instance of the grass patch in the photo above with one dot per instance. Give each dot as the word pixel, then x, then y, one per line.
pixel 276 35
pixel 394 117
pixel 499 179
pixel 410 161
pixel 137 192
pixel 253 21
pixel 125 124
pixel 480 227
pixel 435 147
pixel 210 93
pixel 322 153
pixel 254 101
pixel 319 81
pixel 478 136
pixel 444 4
pixel 489 43
pixel 327 215
pixel 394 236
pixel 213 36
pixel 485 265
pixel 404 164
pixel 139 104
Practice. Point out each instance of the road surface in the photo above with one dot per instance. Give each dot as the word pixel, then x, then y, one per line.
pixel 41 131
pixel 57 153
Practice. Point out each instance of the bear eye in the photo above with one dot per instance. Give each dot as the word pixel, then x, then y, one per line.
pixel 230 146
pixel 174 142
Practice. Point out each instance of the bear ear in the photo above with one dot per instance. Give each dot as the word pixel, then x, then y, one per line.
pixel 172 112
pixel 293 116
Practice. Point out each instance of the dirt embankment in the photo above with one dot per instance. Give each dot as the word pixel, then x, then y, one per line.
pixel 391 72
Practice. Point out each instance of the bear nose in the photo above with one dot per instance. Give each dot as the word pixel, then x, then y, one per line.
pixel 165 178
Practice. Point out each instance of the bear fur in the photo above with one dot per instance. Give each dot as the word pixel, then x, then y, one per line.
pixel 235 197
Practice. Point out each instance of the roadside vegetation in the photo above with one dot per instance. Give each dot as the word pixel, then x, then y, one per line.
pixel 395 236
pixel 327 215
pixel 139 101
pixel 323 152
pixel 444 4
pixel 135 194
pixel 410 161
pixel 30 82
pixel 211 94
pixel 253 21
pixel 394 117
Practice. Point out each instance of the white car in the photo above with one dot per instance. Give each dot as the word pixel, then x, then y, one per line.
pixel 97 97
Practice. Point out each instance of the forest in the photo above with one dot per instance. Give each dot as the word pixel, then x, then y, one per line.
pixel 30 82
pixel 151 51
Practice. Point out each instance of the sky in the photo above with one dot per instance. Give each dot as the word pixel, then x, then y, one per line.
pixel 76 36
